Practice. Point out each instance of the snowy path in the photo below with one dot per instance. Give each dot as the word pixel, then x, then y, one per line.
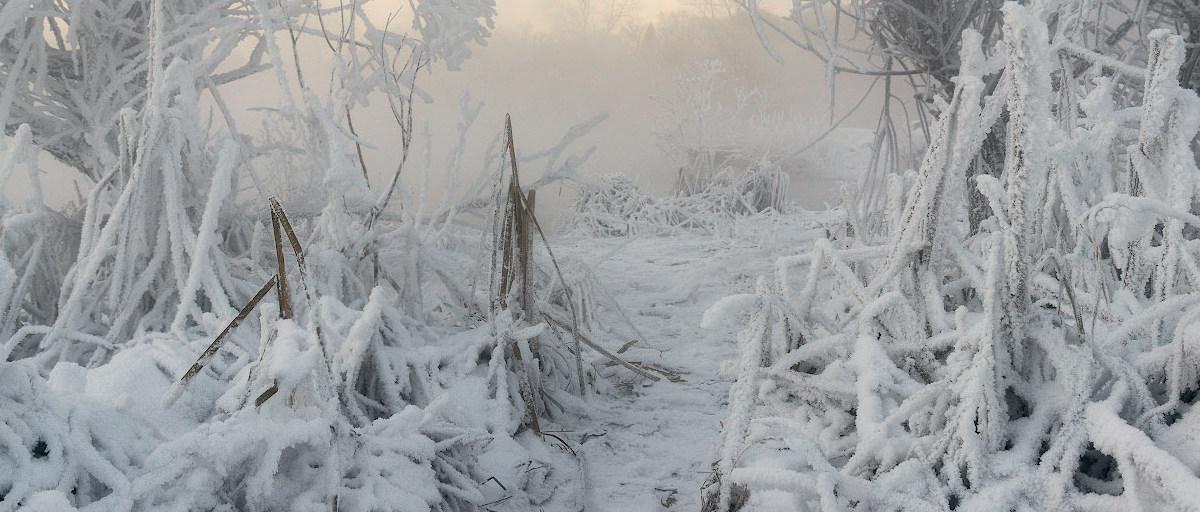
pixel 648 447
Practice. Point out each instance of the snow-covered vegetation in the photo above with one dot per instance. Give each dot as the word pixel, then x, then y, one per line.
pixel 144 366
pixel 1041 359
pixel 710 204
pixel 241 310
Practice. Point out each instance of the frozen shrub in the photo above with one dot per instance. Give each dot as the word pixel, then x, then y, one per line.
pixel 1039 363
pixel 369 380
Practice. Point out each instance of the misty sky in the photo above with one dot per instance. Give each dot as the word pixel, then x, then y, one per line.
pixel 549 15
pixel 539 67
pixel 549 73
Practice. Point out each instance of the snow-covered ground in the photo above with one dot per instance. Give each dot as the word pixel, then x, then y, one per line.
pixel 648 446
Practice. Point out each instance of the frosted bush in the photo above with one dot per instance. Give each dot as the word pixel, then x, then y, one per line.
pixel 368 380
pixel 1009 369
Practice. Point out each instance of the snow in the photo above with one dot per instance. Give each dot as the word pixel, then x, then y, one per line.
pixel 653 443
pixel 48 501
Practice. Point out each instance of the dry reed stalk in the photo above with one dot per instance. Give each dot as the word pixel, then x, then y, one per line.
pixel 298 251
pixel 277 210
pixel 505 249
pixel 527 300
pixel 280 226
pixel 218 341
pixel 278 213
pixel 515 221
pixel 285 306
pixel 280 220
pixel 523 212
pixel 266 395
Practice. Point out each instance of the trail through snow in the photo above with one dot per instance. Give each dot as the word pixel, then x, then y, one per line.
pixel 648 446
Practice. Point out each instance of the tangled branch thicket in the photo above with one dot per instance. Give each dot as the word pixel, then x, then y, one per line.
pixel 1044 361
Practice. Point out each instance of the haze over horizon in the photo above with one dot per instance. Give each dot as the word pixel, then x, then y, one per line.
pixel 550 68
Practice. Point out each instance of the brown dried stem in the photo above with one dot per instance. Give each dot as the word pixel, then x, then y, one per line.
pixel 285 306
pixel 220 339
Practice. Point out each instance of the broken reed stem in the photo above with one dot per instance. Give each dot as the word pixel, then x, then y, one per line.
pixel 526 207
pixel 266 395
pixel 511 215
pixel 279 282
pixel 218 341
pixel 512 151
pixel 527 300
pixel 521 235
pixel 506 270
pixel 277 209
pixel 579 337
pixel 285 307
pixel 278 213
pixel 513 221
pixel 233 324
pixel 298 251
pixel 339 426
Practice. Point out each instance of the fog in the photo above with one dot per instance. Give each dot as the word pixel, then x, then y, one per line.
pixel 550 66
pixel 548 72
